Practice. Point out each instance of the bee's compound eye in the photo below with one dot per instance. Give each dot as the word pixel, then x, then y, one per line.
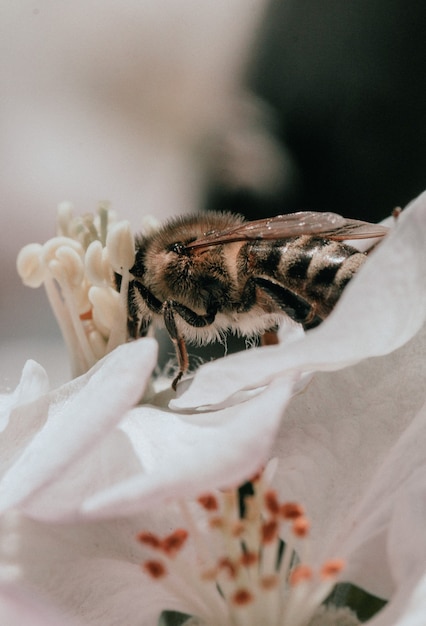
pixel 178 248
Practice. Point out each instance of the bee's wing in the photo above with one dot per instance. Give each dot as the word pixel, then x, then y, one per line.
pixel 330 225
pixel 356 229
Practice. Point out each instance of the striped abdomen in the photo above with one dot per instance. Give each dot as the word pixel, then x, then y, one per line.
pixel 315 269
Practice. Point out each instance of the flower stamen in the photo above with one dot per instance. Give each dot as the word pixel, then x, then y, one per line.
pixel 241 570
pixel 79 268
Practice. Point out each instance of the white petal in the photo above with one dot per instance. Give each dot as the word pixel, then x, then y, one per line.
pixel 406 545
pixel 93 571
pixel 20 607
pixel 80 414
pixel 184 455
pixel 391 517
pixel 33 384
pixel 344 452
pixel 382 308
pixel 414 611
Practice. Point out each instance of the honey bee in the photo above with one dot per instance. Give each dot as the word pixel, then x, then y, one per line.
pixel 200 276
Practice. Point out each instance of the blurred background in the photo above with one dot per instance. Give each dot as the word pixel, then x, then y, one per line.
pixel 345 83
pixel 256 106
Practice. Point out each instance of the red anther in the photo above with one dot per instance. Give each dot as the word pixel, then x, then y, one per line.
pixel 331 568
pixel 271 502
pixel 291 510
pixel 174 542
pixel 269 582
pixel 301 527
pixel 299 574
pixel 242 597
pixel 237 529
pixel 155 569
pixel 149 539
pixel 269 531
pixel 249 558
pixel 216 522
pixel 88 315
pixel 209 574
pixel 226 564
pixel 209 502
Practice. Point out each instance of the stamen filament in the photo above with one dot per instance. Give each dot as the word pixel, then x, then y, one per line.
pixel 76 322
pixel 80 361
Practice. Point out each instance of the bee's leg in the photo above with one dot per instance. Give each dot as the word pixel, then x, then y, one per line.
pixel 191 317
pixel 137 327
pixel 178 341
pixel 293 305
pixel 152 302
pixel 170 308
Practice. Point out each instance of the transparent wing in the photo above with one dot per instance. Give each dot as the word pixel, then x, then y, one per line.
pixel 356 229
pixel 329 225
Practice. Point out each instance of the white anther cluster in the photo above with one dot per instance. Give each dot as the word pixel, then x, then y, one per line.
pixel 77 268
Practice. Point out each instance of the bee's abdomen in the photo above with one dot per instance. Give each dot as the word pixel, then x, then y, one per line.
pixel 314 268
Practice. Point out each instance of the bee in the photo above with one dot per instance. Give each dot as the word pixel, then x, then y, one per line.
pixel 201 276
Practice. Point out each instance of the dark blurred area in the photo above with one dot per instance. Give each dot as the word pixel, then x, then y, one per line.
pixel 345 81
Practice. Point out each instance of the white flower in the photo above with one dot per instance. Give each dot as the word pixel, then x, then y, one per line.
pixel 62 448
pixel 174 557
pixel 102 450
pixel 350 448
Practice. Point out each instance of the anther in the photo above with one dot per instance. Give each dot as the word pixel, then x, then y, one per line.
pixel 242 597
pixel 93 261
pixel 269 582
pixel 208 502
pixel 155 569
pixel 271 502
pixel 227 565
pixel 331 568
pixel 269 531
pixel 30 265
pixel 249 558
pixel 301 527
pixel 174 542
pixel 299 574
pixel 121 246
pixel 88 315
pixel 216 522
pixel 149 539
pixel 291 510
